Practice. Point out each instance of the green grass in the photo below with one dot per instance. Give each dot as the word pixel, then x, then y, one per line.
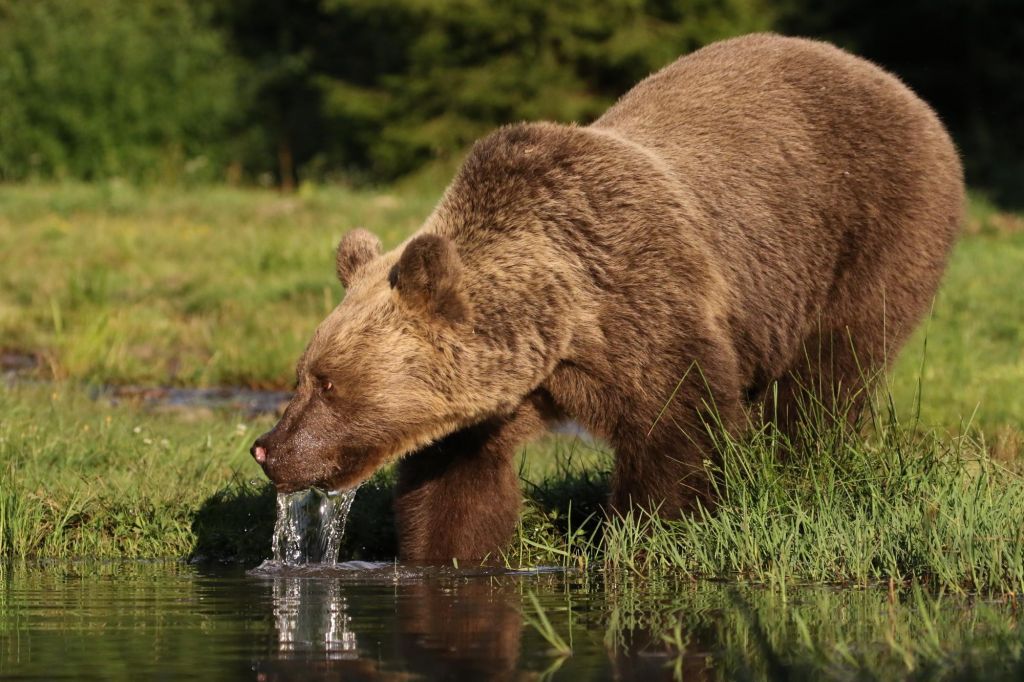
pixel 223 286
pixel 215 286
pixel 971 347
pixel 82 479
pixel 887 503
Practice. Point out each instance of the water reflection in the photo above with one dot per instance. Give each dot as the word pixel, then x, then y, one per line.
pixel 389 622
pixel 452 627
pixel 312 616
pixel 383 622
pixel 465 631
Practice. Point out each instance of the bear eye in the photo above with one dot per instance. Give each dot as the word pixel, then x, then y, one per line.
pixel 327 386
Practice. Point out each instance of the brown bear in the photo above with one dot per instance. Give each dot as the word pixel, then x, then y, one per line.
pixel 765 216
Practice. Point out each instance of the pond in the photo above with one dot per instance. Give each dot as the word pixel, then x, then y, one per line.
pixel 387 621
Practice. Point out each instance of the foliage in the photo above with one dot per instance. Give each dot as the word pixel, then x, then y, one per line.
pixel 144 90
pixel 462 66
pixel 369 91
pixel 375 89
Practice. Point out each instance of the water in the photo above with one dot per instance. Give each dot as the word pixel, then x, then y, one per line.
pixel 385 621
pixel 309 527
pixel 196 401
pixel 16 367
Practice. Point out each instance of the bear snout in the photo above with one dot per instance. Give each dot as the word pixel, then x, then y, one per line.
pixel 261 451
pixel 275 464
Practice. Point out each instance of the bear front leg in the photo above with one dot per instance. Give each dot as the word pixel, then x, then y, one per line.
pixel 459 498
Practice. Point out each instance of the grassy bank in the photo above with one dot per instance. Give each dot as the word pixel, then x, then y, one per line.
pixel 83 479
pixel 219 286
pixel 890 503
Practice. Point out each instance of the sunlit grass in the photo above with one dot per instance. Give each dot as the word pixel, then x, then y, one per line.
pixel 213 286
pixel 885 502
pixel 83 479
pixel 108 283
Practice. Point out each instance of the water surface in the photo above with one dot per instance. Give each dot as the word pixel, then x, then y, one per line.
pixel 385 621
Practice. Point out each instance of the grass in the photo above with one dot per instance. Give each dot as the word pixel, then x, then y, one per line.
pixel 214 286
pixel 223 286
pixel 970 348
pixel 83 479
pixel 889 503
pixel 220 286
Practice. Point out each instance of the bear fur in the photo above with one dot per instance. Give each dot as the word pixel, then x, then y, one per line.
pixel 764 217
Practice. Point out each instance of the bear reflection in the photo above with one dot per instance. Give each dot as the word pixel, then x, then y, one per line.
pixel 453 629
pixel 447 628
pixel 466 631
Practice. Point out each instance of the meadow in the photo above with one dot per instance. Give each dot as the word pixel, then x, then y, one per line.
pixel 112 285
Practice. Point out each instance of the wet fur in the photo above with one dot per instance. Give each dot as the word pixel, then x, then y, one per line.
pixel 764 214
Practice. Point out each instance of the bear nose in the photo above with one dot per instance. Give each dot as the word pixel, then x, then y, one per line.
pixel 259 453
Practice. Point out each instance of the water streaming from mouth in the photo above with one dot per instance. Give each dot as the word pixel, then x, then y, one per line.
pixel 310 525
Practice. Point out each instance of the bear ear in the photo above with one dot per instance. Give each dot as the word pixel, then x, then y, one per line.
pixel 428 277
pixel 356 249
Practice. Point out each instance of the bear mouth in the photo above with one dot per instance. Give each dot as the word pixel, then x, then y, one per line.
pixel 347 470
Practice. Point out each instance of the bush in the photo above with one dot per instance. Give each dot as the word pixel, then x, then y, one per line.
pixel 373 89
pixel 461 67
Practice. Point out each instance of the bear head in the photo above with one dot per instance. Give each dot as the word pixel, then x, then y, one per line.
pixel 384 373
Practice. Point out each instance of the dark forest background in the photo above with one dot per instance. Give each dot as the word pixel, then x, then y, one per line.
pixel 366 91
